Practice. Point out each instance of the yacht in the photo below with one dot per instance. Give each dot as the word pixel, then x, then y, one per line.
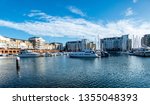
pixel 84 54
pixel 142 52
pixel 28 54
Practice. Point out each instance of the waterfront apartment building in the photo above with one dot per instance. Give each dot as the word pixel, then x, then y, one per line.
pixel 80 45
pixel 91 45
pixel 4 42
pixel 73 46
pixel 122 43
pixel 145 41
pixel 37 42
pixel 19 44
pixel 57 46
pixel 12 43
pixel 13 46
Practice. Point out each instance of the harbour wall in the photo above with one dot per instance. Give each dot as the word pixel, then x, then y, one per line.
pixel 17 51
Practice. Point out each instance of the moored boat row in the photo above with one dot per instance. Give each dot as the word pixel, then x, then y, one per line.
pixel 81 54
pixel 143 52
pixel 29 54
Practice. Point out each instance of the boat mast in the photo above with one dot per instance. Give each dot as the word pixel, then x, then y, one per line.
pixel 98 42
pixel 133 42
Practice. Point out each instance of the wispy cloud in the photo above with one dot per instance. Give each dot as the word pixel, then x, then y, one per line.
pixel 34 13
pixel 78 27
pixel 135 1
pixel 76 11
pixel 129 12
pixel 39 15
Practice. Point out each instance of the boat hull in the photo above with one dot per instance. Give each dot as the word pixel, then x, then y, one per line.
pixel 28 56
pixel 142 54
pixel 78 56
pixel 84 54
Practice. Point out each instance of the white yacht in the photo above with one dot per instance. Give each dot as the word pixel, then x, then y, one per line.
pixel 84 54
pixel 28 54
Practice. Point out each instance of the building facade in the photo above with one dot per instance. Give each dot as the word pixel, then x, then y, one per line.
pixel 12 43
pixel 4 42
pixel 80 45
pixel 38 42
pixel 73 46
pixel 122 43
pixel 13 46
pixel 57 46
pixel 145 41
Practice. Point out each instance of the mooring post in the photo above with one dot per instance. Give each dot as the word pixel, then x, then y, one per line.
pixel 17 63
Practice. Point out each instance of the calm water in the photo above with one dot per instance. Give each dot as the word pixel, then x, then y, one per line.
pixel 62 71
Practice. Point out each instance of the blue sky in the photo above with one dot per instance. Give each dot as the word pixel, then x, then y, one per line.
pixel 63 20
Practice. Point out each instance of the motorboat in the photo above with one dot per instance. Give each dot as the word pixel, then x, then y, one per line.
pixel 102 53
pixel 28 54
pixel 84 54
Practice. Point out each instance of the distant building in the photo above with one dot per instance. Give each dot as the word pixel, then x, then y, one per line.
pixel 116 43
pixel 38 42
pixel 12 43
pixel 56 46
pixel 13 46
pixel 47 46
pixel 91 45
pixel 79 45
pixel 145 41
pixel 4 42
pixel 73 46
pixel 129 47
pixel 20 44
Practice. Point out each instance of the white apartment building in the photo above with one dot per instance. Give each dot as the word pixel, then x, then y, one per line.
pixel 56 46
pixel 80 45
pixel 6 42
pixel 3 42
pixel 122 43
pixel 38 42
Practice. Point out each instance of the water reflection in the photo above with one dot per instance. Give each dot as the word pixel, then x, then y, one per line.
pixel 18 72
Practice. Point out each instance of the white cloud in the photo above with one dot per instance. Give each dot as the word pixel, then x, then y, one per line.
pixel 4 38
pixel 76 11
pixel 78 27
pixel 135 1
pixel 129 12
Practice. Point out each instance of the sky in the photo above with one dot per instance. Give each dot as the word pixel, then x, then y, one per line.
pixel 67 20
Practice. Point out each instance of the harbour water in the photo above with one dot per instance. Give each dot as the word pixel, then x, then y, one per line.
pixel 119 71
